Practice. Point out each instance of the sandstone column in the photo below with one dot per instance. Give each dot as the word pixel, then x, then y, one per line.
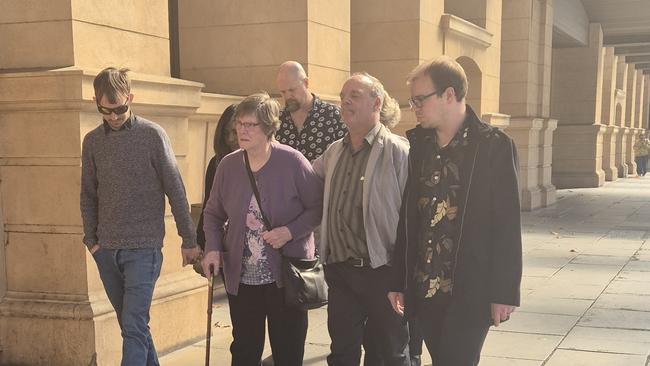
pixel 577 149
pixel 54 298
pixel 639 110
pixel 621 101
pixel 525 94
pixel 608 115
pixel 389 38
pixel 631 117
pixel 235 47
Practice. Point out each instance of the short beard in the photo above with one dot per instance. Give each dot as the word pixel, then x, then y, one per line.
pixel 291 105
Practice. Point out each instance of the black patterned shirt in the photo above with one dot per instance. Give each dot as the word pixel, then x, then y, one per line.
pixel 322 127
pixel 439 189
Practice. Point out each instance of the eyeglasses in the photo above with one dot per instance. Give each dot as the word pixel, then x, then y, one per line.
pixel 418 100
pixel 117 110
pixel 245 125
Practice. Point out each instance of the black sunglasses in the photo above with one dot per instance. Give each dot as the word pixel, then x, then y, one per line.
pixel 117 110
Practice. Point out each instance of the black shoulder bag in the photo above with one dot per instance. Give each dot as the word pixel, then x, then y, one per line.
pixel 304 280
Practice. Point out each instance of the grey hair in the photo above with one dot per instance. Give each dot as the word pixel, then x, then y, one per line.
pixel 376 87
pixel 390 113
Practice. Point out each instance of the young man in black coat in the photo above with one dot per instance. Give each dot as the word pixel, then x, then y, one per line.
pixel 457 261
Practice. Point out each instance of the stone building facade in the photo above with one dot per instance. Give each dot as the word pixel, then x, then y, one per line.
pixel 568 80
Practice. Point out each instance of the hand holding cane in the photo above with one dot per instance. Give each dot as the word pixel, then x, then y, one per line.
pixel 209 331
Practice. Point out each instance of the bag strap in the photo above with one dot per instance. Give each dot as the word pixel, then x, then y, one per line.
pixel 256 192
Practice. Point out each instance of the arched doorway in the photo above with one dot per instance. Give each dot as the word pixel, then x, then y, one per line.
pixel 474 79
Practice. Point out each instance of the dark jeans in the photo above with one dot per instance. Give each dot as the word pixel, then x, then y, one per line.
pixel 249 311
pixel 358 295
pixel 129 277
pixel 641 164
pixel 449 343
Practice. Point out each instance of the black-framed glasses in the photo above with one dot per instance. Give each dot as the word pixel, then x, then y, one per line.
pixel 117 110
pixel 418 100
pixel 246 125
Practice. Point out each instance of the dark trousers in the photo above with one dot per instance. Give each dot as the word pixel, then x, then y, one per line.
pixel 249 311
pixel 450 343
pixel 358 295
pixel 372 356
pixel 641 164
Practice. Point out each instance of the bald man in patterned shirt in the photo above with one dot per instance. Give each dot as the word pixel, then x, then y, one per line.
pixel 309 124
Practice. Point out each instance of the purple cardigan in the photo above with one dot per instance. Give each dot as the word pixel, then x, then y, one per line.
pixel 291 194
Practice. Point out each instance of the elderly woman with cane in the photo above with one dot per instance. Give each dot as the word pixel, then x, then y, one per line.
pixel 290 197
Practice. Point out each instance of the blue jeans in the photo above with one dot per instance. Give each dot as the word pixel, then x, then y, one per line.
pixel 129 277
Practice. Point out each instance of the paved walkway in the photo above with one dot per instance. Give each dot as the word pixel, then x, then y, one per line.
pixel 585 290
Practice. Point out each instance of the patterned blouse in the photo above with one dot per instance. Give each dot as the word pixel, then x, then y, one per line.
pixel 322 127
pixel 255 269
pixel 438 203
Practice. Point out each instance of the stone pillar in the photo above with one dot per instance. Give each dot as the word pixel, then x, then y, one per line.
pixel 577 149
pixel 628 122
pixel 645 123
pixel 546 187
pixel 637 122
pixel 527 28
pixel 55 311
pixel 526 133
pixel 621 151
pixel 619 117
pixel 235 47
pixel 3 261
pixel 608 114
pixel 498 120
pixel 646 104
pixel 389 38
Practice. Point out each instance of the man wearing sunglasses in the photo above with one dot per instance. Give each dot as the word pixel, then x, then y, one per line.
pixel 127 169
pixel 457 263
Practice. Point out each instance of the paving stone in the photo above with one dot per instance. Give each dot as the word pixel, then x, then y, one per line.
pixel 608 340
pixel 640 276
pixel 539 323
pixel 600 260
pixel 638 265
pixel 613 318
pixel 626 234
pixel 643 254
pixel 502 361
pixel 520 345
pixel 566 290
pixel 623 302
pixel 585 274
pixel 619 244
pixel 551 305
pixel 581 358
pixel 545 262
pixel 628 287
pixel 533 282
pixel 617 252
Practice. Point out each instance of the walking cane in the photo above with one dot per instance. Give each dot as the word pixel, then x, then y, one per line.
pixel 209 331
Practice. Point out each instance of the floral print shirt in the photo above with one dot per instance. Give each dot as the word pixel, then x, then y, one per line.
pixel 439 188
pixel 255 269
pixel 322 126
